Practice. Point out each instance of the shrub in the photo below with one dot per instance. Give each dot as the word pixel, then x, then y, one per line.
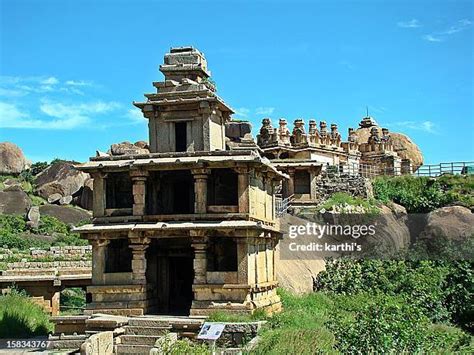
pixel 442 290
pixel 15 234
pixel 20 317
pixel 38 167
pixel 73 300
pixel 381 323
pixel 416 194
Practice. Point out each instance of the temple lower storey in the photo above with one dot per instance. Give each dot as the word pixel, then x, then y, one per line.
pixel 183 268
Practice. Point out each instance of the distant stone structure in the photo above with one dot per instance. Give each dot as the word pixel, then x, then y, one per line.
pixel 190 226
pixel 304 156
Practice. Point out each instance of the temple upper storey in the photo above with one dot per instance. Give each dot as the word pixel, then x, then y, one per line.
pixel 185 114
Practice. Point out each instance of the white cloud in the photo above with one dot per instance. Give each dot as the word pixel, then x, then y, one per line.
pixel 136 115
pixel 431 38
pixel 264 110
pixel 12 117
pixel 413 23
pixel 22 86
pixel 49 81
pixel 440 36
pixel 78 83
pixel 425 126
pixel 461 25
pixel 65 116
pixel 242 111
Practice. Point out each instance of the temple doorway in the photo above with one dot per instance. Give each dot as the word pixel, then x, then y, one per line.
pixel 171 273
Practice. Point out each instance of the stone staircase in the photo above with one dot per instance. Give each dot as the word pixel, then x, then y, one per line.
pixel 141 333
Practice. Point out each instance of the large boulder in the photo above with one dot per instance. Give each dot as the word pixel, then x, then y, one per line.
pixel 402 144
pixel 85 199
pixel 60 178
pixel 12 160
pixel 127 148
pixel 237 130
pixel 296 272
pixel 454 223
pixel 66 214
pixel 14 200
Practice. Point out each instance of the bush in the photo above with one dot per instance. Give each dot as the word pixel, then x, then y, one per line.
pixel 377 323
pixel 442 290
pixel 381 323
pixel 326 322
pixel 73 300
pixel 419 194
pixel 14 233
pixel 38 167
pixel 20 317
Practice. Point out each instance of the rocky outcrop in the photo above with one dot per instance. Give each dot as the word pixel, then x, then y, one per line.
pixel 12 160
pixel 454 223
pixel 66 214
pixel 402 144
pixel 60 178
pixel 14 200
pixel 33 217
pixel 296 271
pixel 127 148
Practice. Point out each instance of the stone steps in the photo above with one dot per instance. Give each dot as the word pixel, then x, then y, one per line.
pixel 139 339
pixel 133 349
pixel 139 330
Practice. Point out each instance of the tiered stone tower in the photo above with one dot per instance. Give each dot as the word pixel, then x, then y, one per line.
pixel 190 227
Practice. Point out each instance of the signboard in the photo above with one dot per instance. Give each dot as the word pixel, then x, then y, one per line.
pixel 211 331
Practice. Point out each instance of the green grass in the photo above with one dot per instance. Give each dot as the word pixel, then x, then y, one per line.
pixel 20 317
pixel 221 316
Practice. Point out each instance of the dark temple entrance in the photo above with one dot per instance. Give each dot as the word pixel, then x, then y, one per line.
pixel 171 272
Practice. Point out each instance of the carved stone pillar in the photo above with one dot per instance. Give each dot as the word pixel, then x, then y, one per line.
pixel 98 260
pixel 139 246
pixel 200 189
pixel 243 189
pixel 139 191
pixel 200 258
pixel 98 199
pixel 291 182
pixel 242 261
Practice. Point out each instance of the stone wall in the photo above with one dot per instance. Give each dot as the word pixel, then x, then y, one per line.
pixel 329 183
pixel 66 252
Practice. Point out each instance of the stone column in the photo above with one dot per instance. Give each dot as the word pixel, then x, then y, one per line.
pixel 139 191
pixel 98 260
pixel 199 244
pixel 139 245
pixel 200 189
pixel 313 175
pixel 291 182
pixel 98 200
pixel 242 261
pixel 243 189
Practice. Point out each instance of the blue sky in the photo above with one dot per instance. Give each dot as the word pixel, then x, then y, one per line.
pixel 70 69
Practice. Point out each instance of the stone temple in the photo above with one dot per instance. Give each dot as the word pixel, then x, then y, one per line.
pixel 190 227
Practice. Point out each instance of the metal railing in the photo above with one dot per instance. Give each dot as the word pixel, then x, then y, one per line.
pixel 282 204
pixel 432 170
pixel 454 168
